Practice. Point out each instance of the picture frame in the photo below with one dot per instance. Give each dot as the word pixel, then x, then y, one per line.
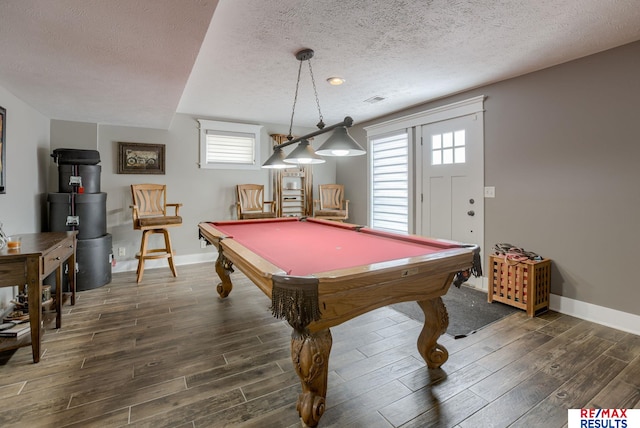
pixel 3 150
pixel 141 158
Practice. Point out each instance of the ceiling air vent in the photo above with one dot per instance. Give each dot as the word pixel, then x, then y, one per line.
pixel 374 100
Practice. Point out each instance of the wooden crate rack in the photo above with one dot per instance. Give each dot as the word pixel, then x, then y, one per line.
pixel 523 284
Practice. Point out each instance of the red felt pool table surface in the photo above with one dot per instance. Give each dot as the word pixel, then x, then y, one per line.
pixel 305 247
pixel 321 273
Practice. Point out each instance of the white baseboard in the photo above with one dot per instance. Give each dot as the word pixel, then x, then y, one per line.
pixel 132 265
pixel 587 311
pixel 599 314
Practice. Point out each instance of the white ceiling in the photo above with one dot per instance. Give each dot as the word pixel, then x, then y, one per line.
pixel 138 62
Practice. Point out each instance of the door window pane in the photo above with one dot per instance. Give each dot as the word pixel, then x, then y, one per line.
pixel 442 151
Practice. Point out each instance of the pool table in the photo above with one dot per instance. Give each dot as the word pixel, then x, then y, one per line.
pixel 321 273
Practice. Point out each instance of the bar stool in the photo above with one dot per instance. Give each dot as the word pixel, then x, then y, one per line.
pixel 150 216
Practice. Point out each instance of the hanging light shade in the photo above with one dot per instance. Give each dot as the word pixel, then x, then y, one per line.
pixel 303 155
pixel 340 143
pixel 276 160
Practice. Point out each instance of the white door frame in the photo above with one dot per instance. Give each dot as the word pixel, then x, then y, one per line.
pixel 469 107
pixel 413 123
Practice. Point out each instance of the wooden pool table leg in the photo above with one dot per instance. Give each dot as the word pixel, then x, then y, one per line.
pixel 310 356
pixel 436 321
pixel 224 268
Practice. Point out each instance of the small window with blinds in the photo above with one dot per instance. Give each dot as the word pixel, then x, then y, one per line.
pixel 229 145
pixel 390 182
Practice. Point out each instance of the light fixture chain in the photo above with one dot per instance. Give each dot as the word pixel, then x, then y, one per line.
pixel 315 91
pixel 295 100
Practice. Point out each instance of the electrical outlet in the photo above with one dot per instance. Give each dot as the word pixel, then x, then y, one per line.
pixel 490 192
pixel 203 243
pixel 122 251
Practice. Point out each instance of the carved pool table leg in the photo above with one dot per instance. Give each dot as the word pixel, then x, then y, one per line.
pixel 224 268
pixel 310 356
pixel 436 321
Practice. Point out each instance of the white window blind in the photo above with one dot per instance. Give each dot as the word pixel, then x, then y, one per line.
pixel 390 182
pixel 229 145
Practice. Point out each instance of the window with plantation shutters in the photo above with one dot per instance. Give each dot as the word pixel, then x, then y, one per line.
pixel 229 145
pixel 390 182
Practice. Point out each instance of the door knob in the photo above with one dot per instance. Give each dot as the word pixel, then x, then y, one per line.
pixel 471 213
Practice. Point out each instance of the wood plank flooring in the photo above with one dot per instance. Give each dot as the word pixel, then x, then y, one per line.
pixel 169 353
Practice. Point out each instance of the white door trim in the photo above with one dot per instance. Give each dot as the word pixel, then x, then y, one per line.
pixel 450 111
pixel 474 106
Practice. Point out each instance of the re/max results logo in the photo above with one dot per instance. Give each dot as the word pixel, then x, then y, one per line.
pixel 604 418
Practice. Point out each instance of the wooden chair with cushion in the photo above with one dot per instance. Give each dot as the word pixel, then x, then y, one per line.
pixel 331 205
pixel 251 203
pixel 150 216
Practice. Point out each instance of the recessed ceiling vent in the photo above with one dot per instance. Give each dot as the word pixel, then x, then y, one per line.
pixel 374 100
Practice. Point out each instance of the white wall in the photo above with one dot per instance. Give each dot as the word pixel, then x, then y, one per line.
pixel 27 157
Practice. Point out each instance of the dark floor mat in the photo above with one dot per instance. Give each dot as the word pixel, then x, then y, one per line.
pixel 468 310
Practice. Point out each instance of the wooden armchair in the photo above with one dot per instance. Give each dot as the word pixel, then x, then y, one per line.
pixel 251 203
pixel 150 216
pixel 331 205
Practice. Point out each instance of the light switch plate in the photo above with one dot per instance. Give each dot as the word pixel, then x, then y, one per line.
pixel 489 192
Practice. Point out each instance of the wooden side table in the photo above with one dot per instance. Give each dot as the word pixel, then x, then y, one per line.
pixel 38 256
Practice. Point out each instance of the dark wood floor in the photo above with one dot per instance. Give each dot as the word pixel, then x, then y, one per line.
pixel 170 353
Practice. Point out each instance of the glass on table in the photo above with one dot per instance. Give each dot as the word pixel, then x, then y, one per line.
pixel 13 243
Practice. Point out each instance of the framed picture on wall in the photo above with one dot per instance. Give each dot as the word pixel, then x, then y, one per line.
pixel 140 158
pixel 3 150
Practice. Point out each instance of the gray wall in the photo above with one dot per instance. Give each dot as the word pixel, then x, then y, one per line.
pixel 70 135
pixel 206 194
pixel 562 149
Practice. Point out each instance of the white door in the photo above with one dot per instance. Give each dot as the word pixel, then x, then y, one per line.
pixel 453 181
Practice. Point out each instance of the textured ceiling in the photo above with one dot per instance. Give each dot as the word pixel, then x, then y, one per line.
pixel 122 62
pixel 138 62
